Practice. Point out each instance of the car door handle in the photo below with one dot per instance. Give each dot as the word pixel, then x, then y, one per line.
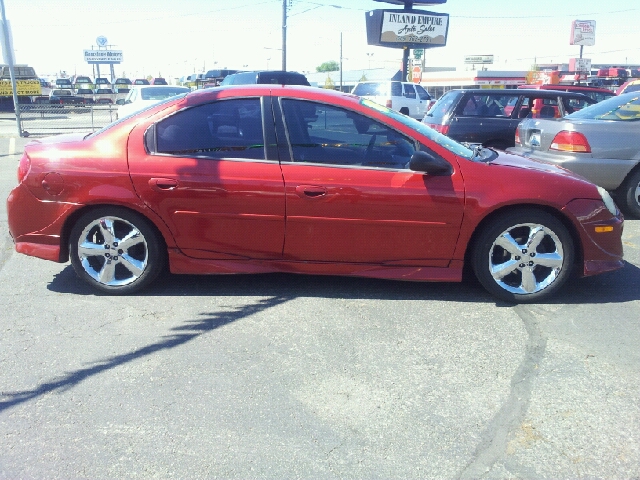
pixel 163 183
pixel 310 191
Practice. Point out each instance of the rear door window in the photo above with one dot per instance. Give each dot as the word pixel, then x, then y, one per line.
pixel 443 107
pixel 396 89
pixel 223 129
pixel 422 93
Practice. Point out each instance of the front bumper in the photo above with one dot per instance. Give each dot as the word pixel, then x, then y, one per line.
pixel 600 235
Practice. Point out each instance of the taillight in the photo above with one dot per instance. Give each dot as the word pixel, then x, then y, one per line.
pixel 566 141
pixel 518 135
pixel 389 103
pixel 23 167
pixel 443 129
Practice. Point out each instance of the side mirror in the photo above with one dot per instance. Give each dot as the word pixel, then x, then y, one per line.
pixel 120 101
pixel 427 163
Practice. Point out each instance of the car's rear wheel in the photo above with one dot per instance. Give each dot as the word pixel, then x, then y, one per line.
pixel 115 250
pixel 523 256
pixel 631 192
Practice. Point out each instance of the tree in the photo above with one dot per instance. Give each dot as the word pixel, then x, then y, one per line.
pixel 331 66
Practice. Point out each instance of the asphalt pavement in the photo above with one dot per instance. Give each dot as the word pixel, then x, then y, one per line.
pixel 284 376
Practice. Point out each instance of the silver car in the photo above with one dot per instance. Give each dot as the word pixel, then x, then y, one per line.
pixel 600 142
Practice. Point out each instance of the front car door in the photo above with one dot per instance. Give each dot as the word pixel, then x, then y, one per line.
pixel 207 172
pixel 350 196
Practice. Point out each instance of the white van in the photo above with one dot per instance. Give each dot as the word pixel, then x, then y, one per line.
pixel 405 97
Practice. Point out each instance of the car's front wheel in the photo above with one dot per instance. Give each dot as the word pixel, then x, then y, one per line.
pixel 115 250
pixel 523 256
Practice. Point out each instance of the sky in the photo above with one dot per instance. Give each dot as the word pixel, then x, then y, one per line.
pixel 174 38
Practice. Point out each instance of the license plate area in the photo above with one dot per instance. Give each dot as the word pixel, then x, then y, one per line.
pixel 533 139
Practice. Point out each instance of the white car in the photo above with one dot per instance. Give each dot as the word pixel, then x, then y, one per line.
pixel 143 96
pixel 405 97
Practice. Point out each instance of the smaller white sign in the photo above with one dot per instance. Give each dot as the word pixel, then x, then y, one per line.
pixel 580 64
pixel 478 59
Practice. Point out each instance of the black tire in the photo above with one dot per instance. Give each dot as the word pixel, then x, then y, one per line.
pixel 517 241
pixel 404 111
pixel 115 250
pixel 631 193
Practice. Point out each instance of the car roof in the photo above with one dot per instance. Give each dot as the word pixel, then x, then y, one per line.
pixel 196 97
pixel 521 91
pixel 586 88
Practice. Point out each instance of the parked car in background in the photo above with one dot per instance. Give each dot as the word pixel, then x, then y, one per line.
pixel 122 85
pixel 407 98
pixel 142 96
pixel 64 83
pixel 216 76
pixel 490 117
pixel 83 82
pixel 596 93
pixel 86 93
pixel 207 181
pixel 629 86
pixel 141 81
pixel 274 77
pixel 60 96
pixel 600 143
pixel 158 81
pixel 102 81
pixel 103 95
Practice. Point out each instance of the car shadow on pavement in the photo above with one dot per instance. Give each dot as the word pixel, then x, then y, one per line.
pixel 293 285
pixel 276 289
pixel 613 287
pixel 182 334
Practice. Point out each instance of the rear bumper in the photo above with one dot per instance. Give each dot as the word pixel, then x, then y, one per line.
pixel 36 226
pixel 607 173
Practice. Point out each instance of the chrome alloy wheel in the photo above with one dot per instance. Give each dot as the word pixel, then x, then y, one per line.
pixel 113 251
pixel 526 258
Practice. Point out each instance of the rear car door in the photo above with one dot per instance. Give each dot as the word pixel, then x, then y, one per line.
pixel 488 119
pixel 207 172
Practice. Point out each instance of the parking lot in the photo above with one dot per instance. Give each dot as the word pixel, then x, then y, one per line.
pixel 282 376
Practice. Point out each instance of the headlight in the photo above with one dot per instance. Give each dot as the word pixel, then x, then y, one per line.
pixel 608 201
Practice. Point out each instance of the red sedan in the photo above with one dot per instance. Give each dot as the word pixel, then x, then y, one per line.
pixel 298 179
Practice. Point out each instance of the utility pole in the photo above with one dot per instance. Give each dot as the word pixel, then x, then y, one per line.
pixel 7 49
pixel 284 35
pixel 341 61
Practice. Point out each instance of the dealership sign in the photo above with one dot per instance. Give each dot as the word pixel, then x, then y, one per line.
pixel 407 28
pixel 103 56
pixel 583 32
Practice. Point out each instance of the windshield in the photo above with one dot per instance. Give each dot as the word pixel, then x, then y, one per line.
pixel 620 108
pixel 155 93
pixel 421 128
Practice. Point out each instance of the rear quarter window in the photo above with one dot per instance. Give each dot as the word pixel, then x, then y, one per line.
pixel 369 90
pixel 442 107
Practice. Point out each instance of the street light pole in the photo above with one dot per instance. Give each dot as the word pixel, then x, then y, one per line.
pixel 284 35
pixel 8 56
